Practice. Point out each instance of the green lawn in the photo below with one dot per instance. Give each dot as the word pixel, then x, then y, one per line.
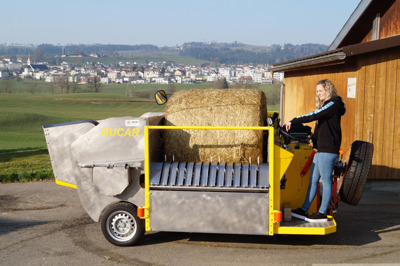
pixel 35 87
pixel 23 151
pixel 22 115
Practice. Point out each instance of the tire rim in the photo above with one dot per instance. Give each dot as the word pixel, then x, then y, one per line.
pixel 121 226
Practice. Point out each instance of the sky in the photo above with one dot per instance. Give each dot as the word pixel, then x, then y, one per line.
pixel 173 22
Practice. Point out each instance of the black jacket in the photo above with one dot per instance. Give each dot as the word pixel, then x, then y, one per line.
pixel 327 133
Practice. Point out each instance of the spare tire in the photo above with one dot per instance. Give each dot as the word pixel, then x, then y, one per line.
pixel 357 172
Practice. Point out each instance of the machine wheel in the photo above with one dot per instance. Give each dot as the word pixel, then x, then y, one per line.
pixel 357 172
pixel 120 224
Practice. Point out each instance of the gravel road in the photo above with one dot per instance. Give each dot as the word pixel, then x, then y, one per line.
pixel 42 223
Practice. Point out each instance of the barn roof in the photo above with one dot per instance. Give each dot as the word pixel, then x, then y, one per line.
pixel 348 42
pixel 351 22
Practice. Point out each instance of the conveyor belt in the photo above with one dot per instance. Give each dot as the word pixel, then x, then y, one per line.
pixel 205 176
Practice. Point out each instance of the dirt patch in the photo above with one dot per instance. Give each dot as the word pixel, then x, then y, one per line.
pixel 6 201
pixel 9 203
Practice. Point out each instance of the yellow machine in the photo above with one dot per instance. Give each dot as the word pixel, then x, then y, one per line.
pixel 287 188
pixel 125 182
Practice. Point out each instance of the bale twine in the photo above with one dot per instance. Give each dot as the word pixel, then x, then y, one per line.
pixel 215 107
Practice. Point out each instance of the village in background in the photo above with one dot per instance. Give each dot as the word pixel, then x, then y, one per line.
pixel 235 63
pixel 152 72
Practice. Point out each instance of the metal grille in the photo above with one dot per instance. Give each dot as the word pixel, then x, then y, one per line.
pixel 209 175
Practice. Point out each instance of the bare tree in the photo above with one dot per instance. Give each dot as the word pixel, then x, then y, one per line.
pixel 274 94
pixel 221 84
pixel 7 85
pixel 246 84
pixel 73 86
pixel 130 91
pixel 32 88
pixel 94 84
pixel 61 81
pixel 51 88
pixel 38 55
pixel 171 88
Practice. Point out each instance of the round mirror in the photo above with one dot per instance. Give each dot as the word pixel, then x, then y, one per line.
pixel 161 97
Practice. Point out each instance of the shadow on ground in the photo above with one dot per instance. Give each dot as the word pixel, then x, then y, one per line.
pixel 12 225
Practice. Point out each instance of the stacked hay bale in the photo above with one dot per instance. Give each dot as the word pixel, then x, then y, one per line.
pixel 215 107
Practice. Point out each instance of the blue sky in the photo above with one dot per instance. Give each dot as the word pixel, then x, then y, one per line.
pixel 172 22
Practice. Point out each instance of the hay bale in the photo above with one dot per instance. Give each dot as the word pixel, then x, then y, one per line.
pixel 215 107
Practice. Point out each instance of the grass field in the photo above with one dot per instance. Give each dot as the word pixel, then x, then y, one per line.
pixel 23 151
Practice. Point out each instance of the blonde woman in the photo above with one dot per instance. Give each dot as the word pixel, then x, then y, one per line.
pixel 327 139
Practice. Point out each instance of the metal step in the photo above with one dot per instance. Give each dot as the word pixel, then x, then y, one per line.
pixel 303 224
pixel 209 175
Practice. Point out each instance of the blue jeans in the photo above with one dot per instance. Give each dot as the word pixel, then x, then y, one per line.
pixel 322 167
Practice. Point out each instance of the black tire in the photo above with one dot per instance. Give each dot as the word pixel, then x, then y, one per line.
pixel 120 224
pixel 357 172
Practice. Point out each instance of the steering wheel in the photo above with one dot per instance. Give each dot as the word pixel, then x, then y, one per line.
pixel 283 132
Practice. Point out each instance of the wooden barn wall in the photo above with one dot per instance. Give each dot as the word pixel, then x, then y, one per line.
pixel 389 24
pixel 300 90
pixel 378 110
pixel 390 21
pixel 374 115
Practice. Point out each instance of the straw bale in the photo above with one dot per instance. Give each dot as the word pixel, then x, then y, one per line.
pixel 215 107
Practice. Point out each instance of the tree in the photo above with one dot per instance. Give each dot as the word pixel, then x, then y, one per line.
pixel 38 55
pixel 61 81
pixel 246 83
pixel 216 61
pixel 273 95
pixel 130 91
pixel 55 61
pixel 171 88
pixel 32 88
pixel 7 85
pixel 73 87
pixel 140 68
pixel 221 84
pixel 94 84
pixel 51 88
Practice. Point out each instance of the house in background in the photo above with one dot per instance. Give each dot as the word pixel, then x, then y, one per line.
pixel 364 64
pixel 36 67
pixel 4 74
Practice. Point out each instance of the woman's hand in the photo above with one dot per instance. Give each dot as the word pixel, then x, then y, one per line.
pixel 287 126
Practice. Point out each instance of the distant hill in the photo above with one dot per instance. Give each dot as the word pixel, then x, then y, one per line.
pixel 218 53
pixel 240 53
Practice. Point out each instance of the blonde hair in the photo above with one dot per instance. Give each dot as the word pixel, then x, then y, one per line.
pixel 330 89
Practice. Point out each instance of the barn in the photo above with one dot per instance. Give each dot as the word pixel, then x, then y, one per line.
pixel 363 62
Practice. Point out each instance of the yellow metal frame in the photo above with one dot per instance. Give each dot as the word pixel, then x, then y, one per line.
pixel 296 188
pixel 147 158
pixel 307 230
pixel 279 162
